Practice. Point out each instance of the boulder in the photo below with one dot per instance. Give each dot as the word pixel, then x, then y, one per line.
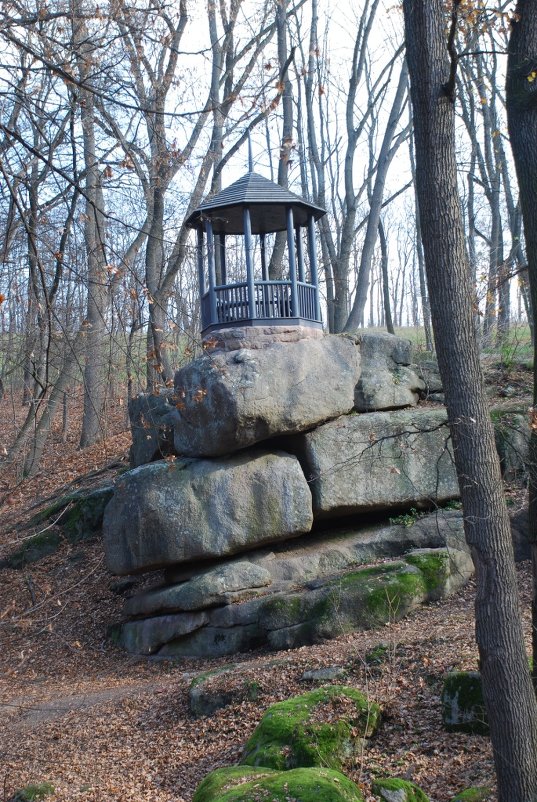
pixel 337 548
pixel 476 793
pixel 391 789
pixel 519 520
pixel 217 586
pixel 427 370
pixel 463 707
pixel 512 434
pixel 206 694
pixel 324 727
pixel 323 608
pixel 152 416
pixel 147 635
pixel 187 510
pixel 244 784
pixel 366 462
pixel 230 400
pixel 387 380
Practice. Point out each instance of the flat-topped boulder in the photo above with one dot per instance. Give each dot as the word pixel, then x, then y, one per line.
pixel 387 380
pixel 185 510
pixel 378 461
pixel 230 400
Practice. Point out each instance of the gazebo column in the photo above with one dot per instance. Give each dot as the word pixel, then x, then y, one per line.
pixel 265 277
pixel 249 250
pixel 295 311
pixel 222 255
pixel 212 271
pixel 313 265
pixel 300 255
pixel 201 275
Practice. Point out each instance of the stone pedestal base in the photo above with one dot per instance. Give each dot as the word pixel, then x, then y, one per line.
pixel 257 337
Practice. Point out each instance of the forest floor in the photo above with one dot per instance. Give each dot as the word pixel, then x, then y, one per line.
pixel 102 726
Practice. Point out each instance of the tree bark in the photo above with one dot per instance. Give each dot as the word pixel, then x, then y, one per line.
pixel 94 236
pixel 507 688
pixel 522 123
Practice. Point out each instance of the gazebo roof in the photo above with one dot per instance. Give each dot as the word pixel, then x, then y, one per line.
pixel 266 200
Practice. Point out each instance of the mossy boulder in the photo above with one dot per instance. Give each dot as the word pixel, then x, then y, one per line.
pixel 244 784
pixel 463 707
pixel 392 789
pixel 33 549
pixel 475 794
pixel 362 599
pixel 33 793
pixel 324 727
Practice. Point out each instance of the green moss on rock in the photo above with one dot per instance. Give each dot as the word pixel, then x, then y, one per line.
pixel 434 567
pixel 392 789
pixel 463 707
pixel 475 794
pixel 33 793
pixel 33 549
pixel 245 784
pixel 324 727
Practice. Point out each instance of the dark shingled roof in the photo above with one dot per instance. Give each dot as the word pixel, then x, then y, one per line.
pixel 267 201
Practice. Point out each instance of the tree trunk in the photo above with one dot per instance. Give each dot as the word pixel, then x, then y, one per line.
pixel 94 235
pixel 507 688
pixel 387 153
pixel 385 279
pixel 522 122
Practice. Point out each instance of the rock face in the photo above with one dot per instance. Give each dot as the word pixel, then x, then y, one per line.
pixel 152 418
pixel 228 401
pixel 305 604
pixel 387 381
pixel 269 544
pixel 362 463
pixel 512 434
pixel 168 513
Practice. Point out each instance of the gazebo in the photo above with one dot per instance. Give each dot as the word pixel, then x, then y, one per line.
pixel 235 231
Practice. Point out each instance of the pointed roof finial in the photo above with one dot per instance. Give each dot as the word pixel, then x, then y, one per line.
pixel 250 156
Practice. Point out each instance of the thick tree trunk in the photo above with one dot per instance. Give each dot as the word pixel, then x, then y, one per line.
pixel 522 121
pixel 508 692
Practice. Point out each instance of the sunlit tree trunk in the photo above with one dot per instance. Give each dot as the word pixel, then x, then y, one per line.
pixel 507 688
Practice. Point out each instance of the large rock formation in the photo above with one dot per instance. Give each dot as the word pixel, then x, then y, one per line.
pixel 361 463
pixel 227 401
pixel 387 379
pixel 173 512
pixel 270 444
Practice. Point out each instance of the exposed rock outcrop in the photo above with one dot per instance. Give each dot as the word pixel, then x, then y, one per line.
pixel 172 512
pixel 230 400
pixel 281 440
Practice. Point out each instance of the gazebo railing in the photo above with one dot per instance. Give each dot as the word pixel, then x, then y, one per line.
pixel 273 300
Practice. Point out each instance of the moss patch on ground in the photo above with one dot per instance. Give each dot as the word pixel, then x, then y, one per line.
pixel 33 793
pixel 324 727
pixel 244 784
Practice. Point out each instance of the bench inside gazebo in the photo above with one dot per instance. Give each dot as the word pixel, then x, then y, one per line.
pixel 236 233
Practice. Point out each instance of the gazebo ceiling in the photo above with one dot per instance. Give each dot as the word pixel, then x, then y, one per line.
pixel 268 204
